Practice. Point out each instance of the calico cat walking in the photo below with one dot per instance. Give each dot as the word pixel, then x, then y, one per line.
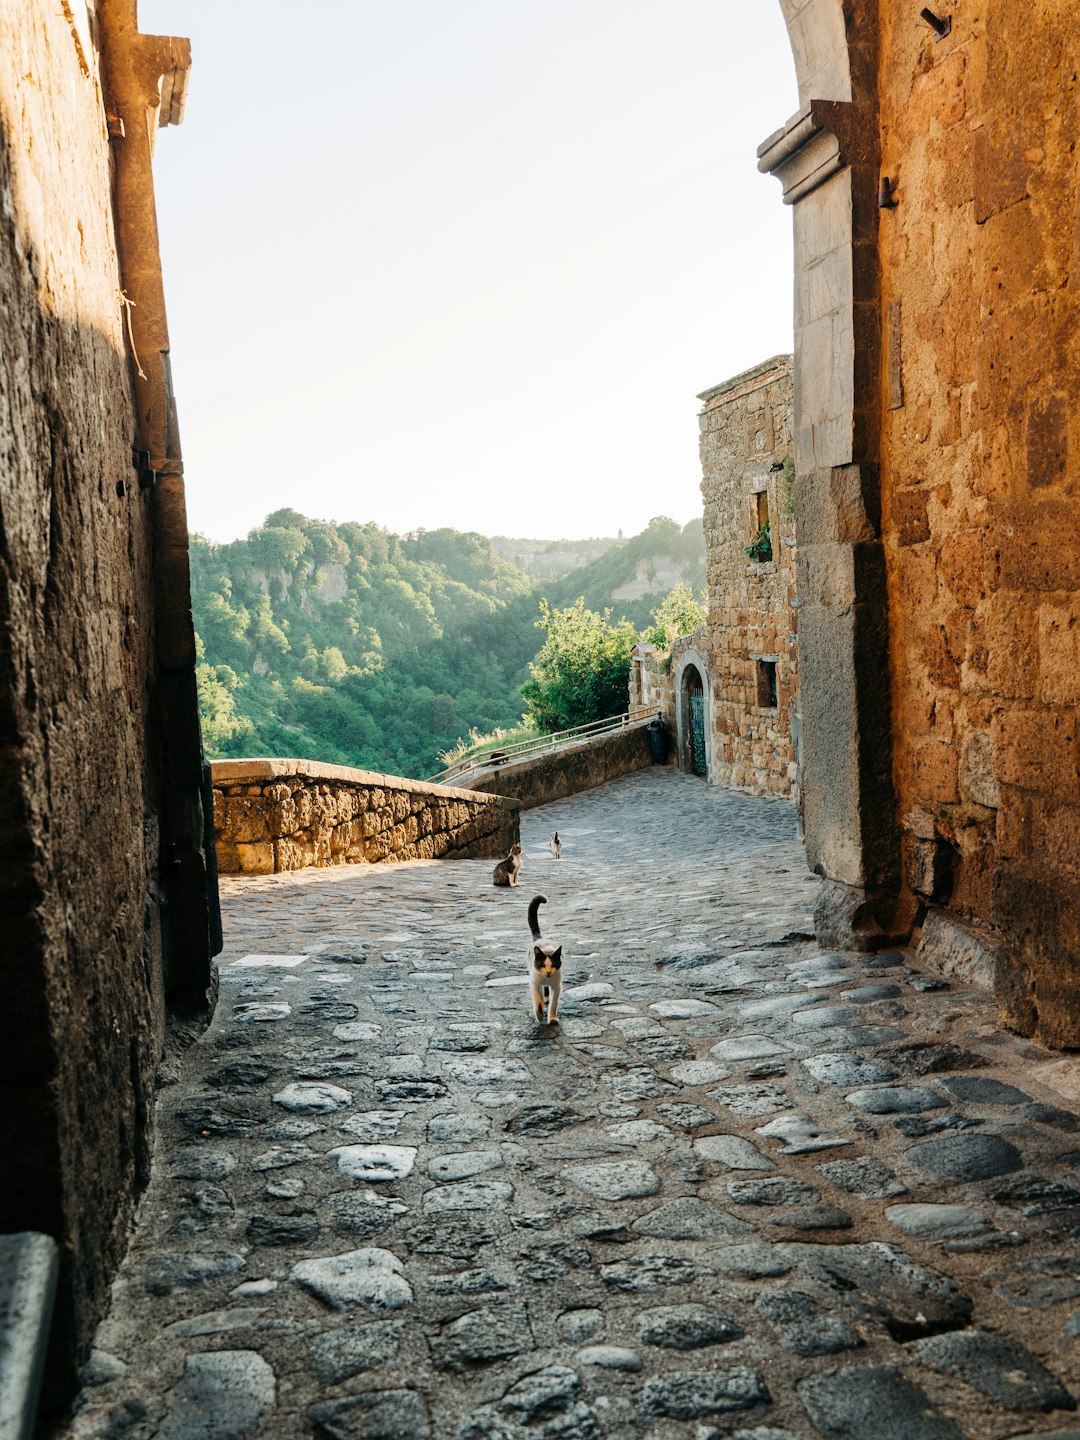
pixel 506 871
pixel 545 969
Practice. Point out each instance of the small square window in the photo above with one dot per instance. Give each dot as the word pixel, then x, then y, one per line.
pixel 766 685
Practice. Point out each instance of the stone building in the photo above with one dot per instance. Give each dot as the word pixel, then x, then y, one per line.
pixel 751 648
pixel 729 692
pixel 107 901
pixel 933 179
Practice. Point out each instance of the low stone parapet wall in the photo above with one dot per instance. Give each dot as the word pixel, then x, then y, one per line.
pixel 272 815
pixel 555 774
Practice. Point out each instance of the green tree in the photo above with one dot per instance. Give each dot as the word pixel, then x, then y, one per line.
pixel 583 668
pixel 679 613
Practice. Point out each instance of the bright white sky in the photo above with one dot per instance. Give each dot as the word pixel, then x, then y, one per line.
pixel 467 262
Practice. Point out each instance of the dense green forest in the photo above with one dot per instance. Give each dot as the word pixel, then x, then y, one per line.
pixel 348 644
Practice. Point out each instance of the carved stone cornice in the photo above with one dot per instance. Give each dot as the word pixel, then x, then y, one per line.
pixel 816 143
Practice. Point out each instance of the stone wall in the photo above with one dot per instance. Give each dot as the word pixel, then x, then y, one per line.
pixel 980 263
pixel 273 815
pixel 543 778
pixel 751 639
pixel 100 763
pixel 933 176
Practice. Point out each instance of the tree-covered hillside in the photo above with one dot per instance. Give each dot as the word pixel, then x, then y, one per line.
pixel 347 644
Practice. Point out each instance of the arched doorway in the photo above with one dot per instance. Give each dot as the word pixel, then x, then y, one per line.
pixel 692 689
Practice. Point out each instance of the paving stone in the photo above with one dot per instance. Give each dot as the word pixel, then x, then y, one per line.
pixel 814 1217
pixel 638 1132
pixel 226 1395
pixel 464 1164
pixel 240 1075
pixel 542 1120
pixel 1003 1370
pixel 1038 1114
pixel 636 1082
pixel 825 1017
pixel 475 1195
pixel 689 1218
pixel 692 1395
pixel 686 1327
pixel 753 1100
pixel 1042 1283
pixel 840 1069
pixel 766 1432
pixel 378 1415
pixel 800 1135
pixel 805 1329
pixel 649 1273
pixel 873 1400
pixel 490 1333
pixel 102 1367
pixel 597 990
pixel 895 1100
pixel 362 1213
pixel 372 1126
pixel 410 1092
pixel 924 1057
pixel 291 1129
pixel 882 1281
pixel 938 1222
pixel 776 1005
pixel 214 1322
pixel 686 1117
pixel 778 1190
pixel 870 994
pixel 732 1151
pixel 749 1047
pixel 296 1229
pixel 981 1090
pixel 699 1072
pixel 861 1037
pixel 617 1180
pixel 609 1357
pixel 280 1157
pixel 197 1163
pixel 485 1070
pixel 1038 1195
pixel 374 1163
pixel 466 1282
pixel 460 1044
pixel 682 1009
pixel 340 1354
pixel 658 1048
pixel 753 1261
pixel 967 1157
pixel 574 1326
pixel 458 1129
pixel 867 1178
pixel 168 1271
pixel 370 1277
pixel 206 1117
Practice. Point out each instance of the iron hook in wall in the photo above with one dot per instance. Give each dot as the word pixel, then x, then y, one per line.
pixel 941 27
pixel 885 197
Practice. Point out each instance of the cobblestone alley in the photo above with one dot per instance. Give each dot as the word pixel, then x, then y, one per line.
pixel 744 1188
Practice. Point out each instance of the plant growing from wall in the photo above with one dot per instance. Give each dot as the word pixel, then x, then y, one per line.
pixel 760 548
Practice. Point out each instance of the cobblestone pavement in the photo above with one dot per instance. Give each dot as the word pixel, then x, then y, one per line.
pixel 745 1188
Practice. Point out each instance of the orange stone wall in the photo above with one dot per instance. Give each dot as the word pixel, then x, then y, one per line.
pixel 980 267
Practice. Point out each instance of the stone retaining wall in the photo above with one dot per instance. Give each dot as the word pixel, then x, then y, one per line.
pixel 273 815
pixel 552 776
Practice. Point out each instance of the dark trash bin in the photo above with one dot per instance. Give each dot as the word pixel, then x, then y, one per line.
pixel 658 741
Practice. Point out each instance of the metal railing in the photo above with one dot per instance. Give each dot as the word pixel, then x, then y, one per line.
pixel 541 745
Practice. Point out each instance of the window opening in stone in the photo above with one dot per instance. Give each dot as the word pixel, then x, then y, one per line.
pixel 761 505
pixel 766 685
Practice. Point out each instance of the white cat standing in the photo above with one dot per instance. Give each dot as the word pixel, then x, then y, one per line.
pixel 545 969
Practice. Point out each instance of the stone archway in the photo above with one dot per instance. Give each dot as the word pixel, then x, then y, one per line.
pixel 826 158
pixel 692 714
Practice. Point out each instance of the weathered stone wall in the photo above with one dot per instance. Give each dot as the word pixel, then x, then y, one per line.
pixel 980 264
pixel 591 762
pixel 652 684
pixel 273 815
pixel 88 771
pixel 746 436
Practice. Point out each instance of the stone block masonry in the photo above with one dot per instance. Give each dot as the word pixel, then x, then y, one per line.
pixel 274 815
